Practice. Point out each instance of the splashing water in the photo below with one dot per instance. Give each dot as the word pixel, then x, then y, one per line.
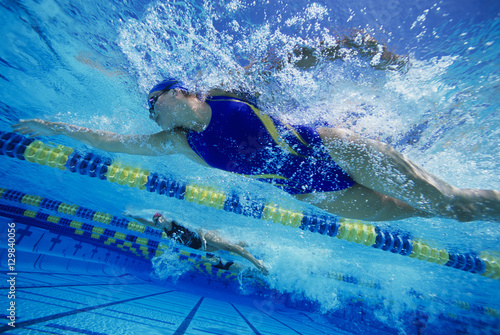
pixel 167 266
pixel 442 113
pixel 431 112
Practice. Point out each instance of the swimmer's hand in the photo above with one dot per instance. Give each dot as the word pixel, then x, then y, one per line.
pixel 37 127
pixel 203 240
pixel 262 268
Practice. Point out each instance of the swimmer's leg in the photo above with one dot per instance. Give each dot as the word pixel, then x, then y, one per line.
pixel 379 167
pixel 213 239
pixel 359 202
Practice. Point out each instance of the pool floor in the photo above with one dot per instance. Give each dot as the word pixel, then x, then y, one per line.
pixel 67 286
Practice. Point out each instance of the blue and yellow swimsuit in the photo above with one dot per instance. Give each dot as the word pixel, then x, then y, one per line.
pixel 241 139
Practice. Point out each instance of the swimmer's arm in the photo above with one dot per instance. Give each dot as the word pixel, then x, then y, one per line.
pixel 140 220
pixel 203 240
pixel 148 145
pixel 360 43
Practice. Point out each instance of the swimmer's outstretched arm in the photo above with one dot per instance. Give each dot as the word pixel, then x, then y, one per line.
pixel 148 145
pixel 140 219
pixel 359 43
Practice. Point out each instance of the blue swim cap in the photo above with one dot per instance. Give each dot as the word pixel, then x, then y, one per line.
pixel 168 83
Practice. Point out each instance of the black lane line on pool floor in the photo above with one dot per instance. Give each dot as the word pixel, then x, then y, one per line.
pixel 81 275
pixel 70 285
pixel 284 324
pixel 76 311
pixel 185 324
pixel 245 319
pixel 73 329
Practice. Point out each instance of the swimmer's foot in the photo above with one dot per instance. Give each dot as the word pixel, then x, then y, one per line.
pixel 261 267
pixel 393 62
pixel 377 53
pixel 475 205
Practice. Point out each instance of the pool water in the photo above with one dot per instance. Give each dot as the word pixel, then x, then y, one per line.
pixel 92 63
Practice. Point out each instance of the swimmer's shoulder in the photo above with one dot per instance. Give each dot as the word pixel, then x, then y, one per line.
pixel 176 142
pixel 245 96
pixel 221 93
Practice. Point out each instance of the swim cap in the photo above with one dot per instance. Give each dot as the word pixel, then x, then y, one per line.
pixel 169 84
pixel 156 218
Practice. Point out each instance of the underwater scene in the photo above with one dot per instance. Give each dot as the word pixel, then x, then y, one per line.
pixel 422 77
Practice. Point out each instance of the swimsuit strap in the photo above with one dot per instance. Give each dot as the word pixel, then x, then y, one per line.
pixel 268 122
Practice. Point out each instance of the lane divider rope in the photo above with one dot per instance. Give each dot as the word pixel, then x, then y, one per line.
pixel 95 166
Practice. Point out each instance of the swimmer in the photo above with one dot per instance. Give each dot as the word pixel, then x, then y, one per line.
pixel 208 241
pixel 334 169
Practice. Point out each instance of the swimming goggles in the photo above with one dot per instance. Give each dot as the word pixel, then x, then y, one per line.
pixel 156 218
pixel 152 102
pixel 169 84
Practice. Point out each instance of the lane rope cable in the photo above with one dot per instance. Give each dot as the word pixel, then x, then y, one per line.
pixel 64 158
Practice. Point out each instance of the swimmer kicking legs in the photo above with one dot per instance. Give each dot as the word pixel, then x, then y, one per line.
pixel 385 175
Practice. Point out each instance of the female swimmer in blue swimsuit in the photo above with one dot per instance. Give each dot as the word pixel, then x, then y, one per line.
pixel 334 169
